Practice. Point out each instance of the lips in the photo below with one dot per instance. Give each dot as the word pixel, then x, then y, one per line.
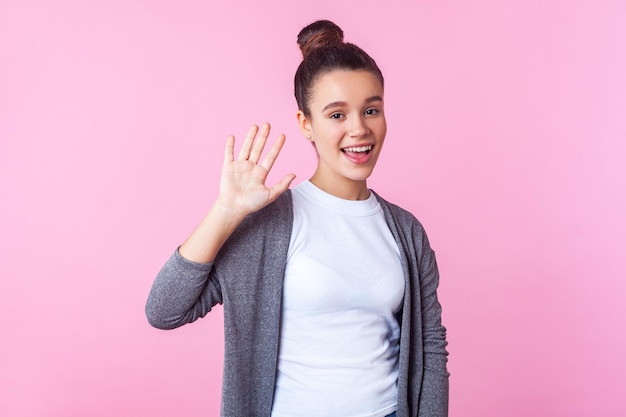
pixel 358 154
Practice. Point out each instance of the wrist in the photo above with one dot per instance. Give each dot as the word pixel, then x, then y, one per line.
pixel 225 214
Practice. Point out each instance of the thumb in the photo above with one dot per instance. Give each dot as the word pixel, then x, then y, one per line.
pixel 281 187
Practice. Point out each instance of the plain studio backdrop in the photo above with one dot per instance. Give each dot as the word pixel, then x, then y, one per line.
pixel 507 132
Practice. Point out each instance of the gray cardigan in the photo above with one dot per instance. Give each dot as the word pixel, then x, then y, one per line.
pixel 246 277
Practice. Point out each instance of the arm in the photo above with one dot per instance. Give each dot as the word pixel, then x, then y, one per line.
pixel 182 292
pixel 435 385
pixel 423 381
pixel 185 289
pixel 242 191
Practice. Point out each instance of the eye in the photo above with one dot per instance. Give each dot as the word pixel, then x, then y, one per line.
pixel 336 116
pixel 371 112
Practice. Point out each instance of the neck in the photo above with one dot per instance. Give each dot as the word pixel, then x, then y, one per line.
pixel 346 189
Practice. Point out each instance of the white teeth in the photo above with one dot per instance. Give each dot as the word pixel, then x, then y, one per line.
pixel 358 148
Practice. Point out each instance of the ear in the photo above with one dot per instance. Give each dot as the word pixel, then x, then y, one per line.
pixel 305 125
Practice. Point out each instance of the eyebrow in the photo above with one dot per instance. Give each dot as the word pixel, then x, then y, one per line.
pixel 343 103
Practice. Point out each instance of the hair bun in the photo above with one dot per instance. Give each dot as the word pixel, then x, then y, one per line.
pixel 318 35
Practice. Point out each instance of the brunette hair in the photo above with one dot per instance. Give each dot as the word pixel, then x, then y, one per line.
pixel 323 51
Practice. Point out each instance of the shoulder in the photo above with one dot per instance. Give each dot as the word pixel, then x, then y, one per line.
pixel 408 231
pixel 282 206
pixel 266 229
pixel 403 218
pixel 275 218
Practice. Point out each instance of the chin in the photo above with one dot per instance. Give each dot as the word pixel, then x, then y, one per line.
pixel 361 176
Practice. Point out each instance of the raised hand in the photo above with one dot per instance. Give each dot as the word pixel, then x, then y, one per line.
pixel 242 185
pixel 242 191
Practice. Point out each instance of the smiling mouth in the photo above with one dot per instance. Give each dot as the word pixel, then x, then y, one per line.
pixel 358 149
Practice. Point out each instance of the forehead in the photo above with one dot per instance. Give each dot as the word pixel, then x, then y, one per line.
pixel 351 86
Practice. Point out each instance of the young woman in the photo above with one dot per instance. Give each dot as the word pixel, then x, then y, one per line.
pixel 329 291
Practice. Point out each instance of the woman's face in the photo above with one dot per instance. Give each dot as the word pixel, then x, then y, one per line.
pixel 347 127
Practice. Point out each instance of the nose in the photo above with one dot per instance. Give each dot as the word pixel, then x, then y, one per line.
pixel 358 127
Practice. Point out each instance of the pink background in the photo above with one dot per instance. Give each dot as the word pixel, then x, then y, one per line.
pixel 507 132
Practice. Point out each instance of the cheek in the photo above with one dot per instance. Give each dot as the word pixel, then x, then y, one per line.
pixel 328 133
pixel 381 129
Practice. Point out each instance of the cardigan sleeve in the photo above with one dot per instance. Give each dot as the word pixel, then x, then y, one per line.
pixel 182 292
pixel 423 381
pixel 435 384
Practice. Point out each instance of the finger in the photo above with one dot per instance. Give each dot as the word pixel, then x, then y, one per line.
pixel 259 143
pixel 268 162
pixel 281 187
pixel 244 153
pixel 229 154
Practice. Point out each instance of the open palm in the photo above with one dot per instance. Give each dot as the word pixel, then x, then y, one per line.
pixel 242 184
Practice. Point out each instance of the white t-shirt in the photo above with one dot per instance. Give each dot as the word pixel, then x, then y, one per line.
pixel 339 337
